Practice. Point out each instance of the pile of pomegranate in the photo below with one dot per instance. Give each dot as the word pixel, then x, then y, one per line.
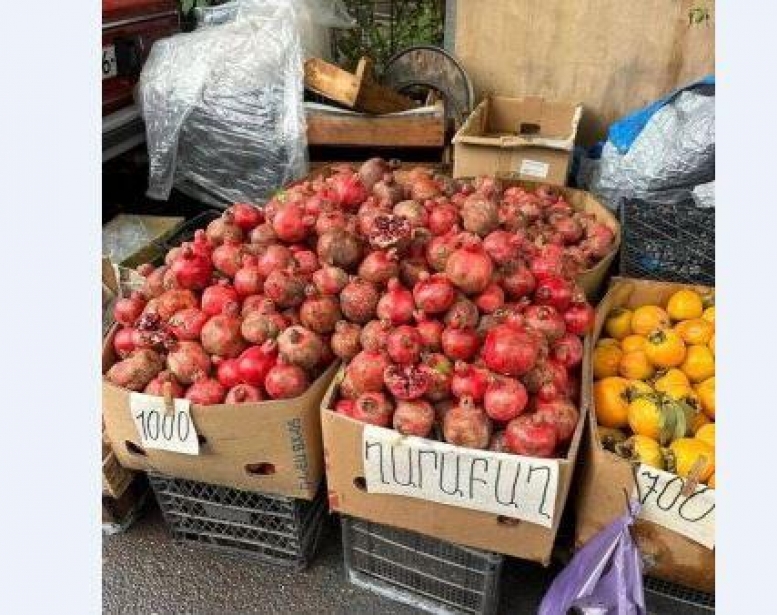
pixel 453 305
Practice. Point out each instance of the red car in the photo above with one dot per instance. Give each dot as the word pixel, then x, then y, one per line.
pixel 130 27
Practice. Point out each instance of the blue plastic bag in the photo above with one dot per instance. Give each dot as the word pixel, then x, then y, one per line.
pixel 604 577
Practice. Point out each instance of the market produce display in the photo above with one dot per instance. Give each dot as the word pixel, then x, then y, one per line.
pixel 453 305
pixel 654 389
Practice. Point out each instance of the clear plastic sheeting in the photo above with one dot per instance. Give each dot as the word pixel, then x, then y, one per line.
pixel 674 153
pixel 223 107
pixel 704 195
pixel 124 236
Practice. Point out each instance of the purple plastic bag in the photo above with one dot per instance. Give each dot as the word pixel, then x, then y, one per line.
pixel 603 578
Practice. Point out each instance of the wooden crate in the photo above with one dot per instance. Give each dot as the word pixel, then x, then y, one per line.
pixel 356 91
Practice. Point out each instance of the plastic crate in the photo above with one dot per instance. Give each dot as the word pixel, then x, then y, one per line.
pixel 271 528
pixel 185 231
pixel 421 571
pixel 665 597
pixel 674 243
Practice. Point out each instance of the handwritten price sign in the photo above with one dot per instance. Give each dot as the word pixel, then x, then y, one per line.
pixel 509 485
pixel 663 503
pixel 162 428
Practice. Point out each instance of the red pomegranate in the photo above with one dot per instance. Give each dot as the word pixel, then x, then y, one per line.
pixel 255 362
pixel 505 399
pixel 413 418
pixel 345 340
pixel 285 381
pixel 434 294
pixel 372 408
pixel 216 298
pixel 330 280
pixel 379 267
pixel 460 343
pixel 300 346
pixel 206 392
pixel 404 345
pixel 467 425
pixel 359 300
pixel 244 394
pixel 221 334
pixel 187 361
pixel 470 268
pixel 396 304
pixel 526 435
pixel 509 350
pixel 469 381
pixel 127 310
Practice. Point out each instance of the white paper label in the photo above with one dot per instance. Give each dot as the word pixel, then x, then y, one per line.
pixel 509 485
pixel 534 168
pixel 173 431
pixel 692 516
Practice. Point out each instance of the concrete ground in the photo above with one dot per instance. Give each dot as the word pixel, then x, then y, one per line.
pixel 145 572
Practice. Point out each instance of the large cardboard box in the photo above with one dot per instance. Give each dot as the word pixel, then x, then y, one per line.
pixel 268 447
pixel 523 138
pixel 606 479
pixel 343 449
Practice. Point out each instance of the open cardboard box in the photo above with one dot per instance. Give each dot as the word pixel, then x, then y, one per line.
pixel 473 528
pixel 525 138
pixel 605 477
pixel 267 447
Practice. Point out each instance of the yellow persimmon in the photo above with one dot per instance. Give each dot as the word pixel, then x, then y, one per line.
pixel 695 331
pixel 639 387
pixel 711 344
pixel 711 481
pixel 699 363
pixel 642 449
pixel 606 360
pixel 665 348
pixel 683 454
pixel 608 341
pixel 648 318
pixel 646 417
pixel 709 314
pixel 671 377
pixel 635 365
pixel 611 401
pixel 685 304
pixel 633 342
pixel 684 393
pixel 706 392
pixel 706 433
pixel 618 323
pixel 698 421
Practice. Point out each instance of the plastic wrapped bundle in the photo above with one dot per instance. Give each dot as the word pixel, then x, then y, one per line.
pixel 223 107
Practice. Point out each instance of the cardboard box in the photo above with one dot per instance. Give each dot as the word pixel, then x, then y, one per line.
pixel 606 478
pixel 473 528
pixel 268 447
pixel 115 477
pixel 524 138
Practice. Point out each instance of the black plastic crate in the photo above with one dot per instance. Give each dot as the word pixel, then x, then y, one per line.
pixel 665 597
pixel 673 243
pixel 271 528
pixel 427 573
pixel 185 232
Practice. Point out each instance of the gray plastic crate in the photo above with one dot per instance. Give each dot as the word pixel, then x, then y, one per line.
pixel 665 597
pixel 421 571
pixel 271 528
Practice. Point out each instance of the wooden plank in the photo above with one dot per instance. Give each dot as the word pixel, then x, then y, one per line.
pixel 612 56
pixel 383 131
pixel 355 91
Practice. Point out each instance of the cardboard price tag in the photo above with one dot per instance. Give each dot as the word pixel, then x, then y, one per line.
pixel 168 429
pixel 663 502
pixel 508 485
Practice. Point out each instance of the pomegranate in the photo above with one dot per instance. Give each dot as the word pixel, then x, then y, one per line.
pixel 460 343
pixel 345 340
pixel 390 231
pixel 440 248
pixel 569 229
pixel 359 300
pixel 174 300
pixel 263 236
pixel 527 435
pixel 192 269
pixel 285 288
pixel 442 217
pixel 509 350
pixel 216 298
pixel 567 350
pixel 366 370
pixel 127 310
pixel 257 303
pixel 434 294
pixel 440 370
pixel 579 318
pixel 414 418
pixel 430 331
pixel 306 260
pixel 221 334
pixel 547 264
pixel 340 248
pixel 546 320
pixel 423 187
pixel 396 305
pixel 255 362
pixel 319 312
pixel 554 291
pixel 291 223
pixel 164 382
pixel 547 379
pixel 330 280
pixel 206 392
pixel 561 414
pixel 470 268
pixel 331 219
pixel 373 408
pixel 300 346
pixel 124 342
pixel 348 190
pixel 407 381
pixel 258 327
pixel 469 381
pixel 243 394
pixel 404 345
pixel 411 269
pixel 187 361
pixel 414 211
pixel 248 280
pixel 518 281
pixel 502 246
pixel 379 267
pixel 227 372
pixel 387 190
pixel 153 285
pixel 246 216
pixel 228 257
pixel 467 425
pixel 137 370
pixel 491 299
pixel 273 258
pixel 187 324
pixel 285 381
pixel 345 407
pixel 479 215
pixel 487 186
pixel 505 399
pixel 374 334
pixel 223 229
pixel 463 313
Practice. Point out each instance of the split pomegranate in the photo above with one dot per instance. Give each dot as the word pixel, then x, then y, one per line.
pixel 406 381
